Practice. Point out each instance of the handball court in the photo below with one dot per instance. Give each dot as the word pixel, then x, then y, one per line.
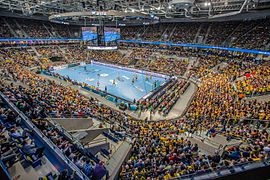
pixel 177 110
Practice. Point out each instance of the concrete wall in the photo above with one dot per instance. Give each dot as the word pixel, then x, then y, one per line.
pixel 71 124
pixel 92 134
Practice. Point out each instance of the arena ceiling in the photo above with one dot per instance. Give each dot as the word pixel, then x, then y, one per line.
pixel 154 8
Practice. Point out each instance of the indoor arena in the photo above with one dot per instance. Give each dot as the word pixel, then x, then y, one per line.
pixel 134 89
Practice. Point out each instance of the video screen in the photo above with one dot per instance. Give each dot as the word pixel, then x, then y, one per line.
pixel 111 34
pixel 89 33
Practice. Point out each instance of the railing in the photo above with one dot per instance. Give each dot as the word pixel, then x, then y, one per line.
pixel 38 39
pixel 225 171
pixel 197 46
pixel 96 141
pixel 45 140
pixel 65 133
pixel 6 175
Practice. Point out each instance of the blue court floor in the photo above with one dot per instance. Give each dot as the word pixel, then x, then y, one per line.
pixel 119 82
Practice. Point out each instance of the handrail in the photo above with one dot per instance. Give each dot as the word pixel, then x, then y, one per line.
pixel 196 46
pixel 216 172
pixel 49 143
pixel 224 170
pixel 62 129
pixel 96 141
pixel 5 170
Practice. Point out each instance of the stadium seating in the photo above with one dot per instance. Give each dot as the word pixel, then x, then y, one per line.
pixel 244 34
pixel 231 101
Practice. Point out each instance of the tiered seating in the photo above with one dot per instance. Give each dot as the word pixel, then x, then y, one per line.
pixel 252 35
pixel 168 65
pixel 4 30
pixel 245 34
pixel 219 33
pixel 158 150
pixel 158 29
pixel 255 81
pixel 58 138
pixel 109 56
pixel 185 32
pixel 111 137
pixel 38 29
pixel 164 100
pixel 19 145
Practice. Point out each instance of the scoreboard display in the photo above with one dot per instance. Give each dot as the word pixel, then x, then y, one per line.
pixel 111 34
pixel 100 37
pixel 89 33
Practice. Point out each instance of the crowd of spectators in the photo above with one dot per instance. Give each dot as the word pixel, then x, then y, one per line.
pixel 169 65
pixel 37 29
pixel 22 56
pixel 255 80
pixel 185 33
pixel 164 100
pixel 36 107
pixel 147 59
pixel 131 32
pixel 89 167
pixel 4 30
pixel 219 35
pixel 148 32
pixel 109 56
pixel 23 138
pixel 17 142
pixel 162 151
pixel 244 34
pixel 159 150
pixel 202 66
pixel 217 97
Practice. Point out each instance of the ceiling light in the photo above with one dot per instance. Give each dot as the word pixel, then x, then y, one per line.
pixel 170 7
pixel 132 10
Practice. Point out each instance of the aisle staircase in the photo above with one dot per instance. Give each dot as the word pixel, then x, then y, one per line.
pixel 165 32
pixel 249 30
pixel 207 33
pixel 55 33
pixel 214 144
pixel 144 30
pixel 64 52
pixel 51 35
pixel 172 32
pixel 227 41
pixel 197 34
pixel 23 33
pixel 191 61
pixel 10 28
pixel 267 46
pixel 117 159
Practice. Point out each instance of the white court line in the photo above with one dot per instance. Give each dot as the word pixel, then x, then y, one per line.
pixel 140 89
pixel 89 79
pixel 125 77
pixel 104 75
